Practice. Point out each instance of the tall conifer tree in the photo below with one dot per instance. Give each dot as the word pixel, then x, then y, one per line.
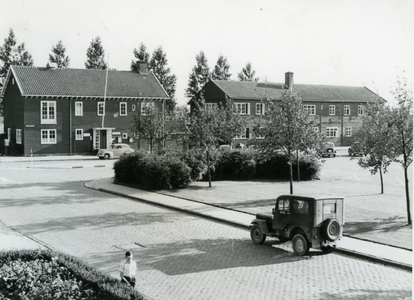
pixel 140 55
pixel 58 57
pixel 221 69
pixel 247 74
pixel 96 55
pixel 199 76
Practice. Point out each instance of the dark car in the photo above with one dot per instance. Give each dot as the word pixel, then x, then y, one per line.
pixel 356 150
pixel 309 222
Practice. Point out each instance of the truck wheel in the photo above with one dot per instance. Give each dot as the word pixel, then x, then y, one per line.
pixel 282 239
pixel 331 229
pixel 257 235
pixel 328 249
pixel 300 244
pixel 107 156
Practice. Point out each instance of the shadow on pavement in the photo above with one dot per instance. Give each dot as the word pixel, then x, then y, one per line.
pixel 198 256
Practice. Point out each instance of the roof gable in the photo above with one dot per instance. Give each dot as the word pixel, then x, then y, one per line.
pixel 86 83
pixel 243 90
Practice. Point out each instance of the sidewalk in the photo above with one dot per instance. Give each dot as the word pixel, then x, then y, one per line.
pixel 16 159
pixel 376 252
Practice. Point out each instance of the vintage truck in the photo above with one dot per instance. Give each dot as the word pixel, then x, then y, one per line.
pixel 309 222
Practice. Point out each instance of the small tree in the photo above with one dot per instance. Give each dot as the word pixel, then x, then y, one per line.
pixel 375 140
pixel 288 128
pixel 141 55
pixel 247 74
pixel 402 138
pixel 198 77
pixel 12 54
pixel 149 126
pixel 221 69
pixel 96 55
pixel 58 57
pixel 158 64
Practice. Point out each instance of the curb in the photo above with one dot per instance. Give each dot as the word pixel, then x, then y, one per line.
pixel 247 227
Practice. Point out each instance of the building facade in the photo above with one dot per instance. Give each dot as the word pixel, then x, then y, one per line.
pixel 74 111
pixel 337 110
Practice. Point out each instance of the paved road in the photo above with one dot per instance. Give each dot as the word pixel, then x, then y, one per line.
pixel 179 256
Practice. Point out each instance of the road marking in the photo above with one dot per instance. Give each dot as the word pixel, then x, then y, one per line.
pixel 402 183
pixel 357 178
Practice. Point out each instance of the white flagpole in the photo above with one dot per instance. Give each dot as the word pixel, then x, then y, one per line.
pixel 106 86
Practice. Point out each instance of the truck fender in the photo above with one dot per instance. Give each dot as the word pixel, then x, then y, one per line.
pixel 262 224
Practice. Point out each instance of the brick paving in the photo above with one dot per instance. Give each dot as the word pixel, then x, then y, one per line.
pixel 186 257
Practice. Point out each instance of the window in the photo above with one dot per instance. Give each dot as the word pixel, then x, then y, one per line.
pixel 347 110
pixel 18 136
pixel 329 208
pixel 283 205
pixel 123 109
pixel 242 108
pixel 78 108
pixel 310 109
pixel 348 131
pixel 244 134
pixel 360 110
pixel 146 108
pixel 79 134
pixel 331 110
pixel 315 129
pixel 48 112
pixel 300 207
pixel 331 131
pixel 101 108
pixel 260 108
pixel 133 107
pixel 48 136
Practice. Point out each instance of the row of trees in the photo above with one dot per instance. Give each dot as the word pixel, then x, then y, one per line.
pixel 387 137
pixel 13 54
pixel 200 73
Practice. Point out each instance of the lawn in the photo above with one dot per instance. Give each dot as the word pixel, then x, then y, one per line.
pixel 370 215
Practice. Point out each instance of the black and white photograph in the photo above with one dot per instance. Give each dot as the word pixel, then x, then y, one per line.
pixel 206 150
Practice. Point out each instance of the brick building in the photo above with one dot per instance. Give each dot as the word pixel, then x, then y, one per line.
pixel 338 109
pixel 51 111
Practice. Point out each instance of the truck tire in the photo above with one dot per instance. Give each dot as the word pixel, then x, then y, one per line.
pixel 331 229
pixel 257 235
pixel 300 245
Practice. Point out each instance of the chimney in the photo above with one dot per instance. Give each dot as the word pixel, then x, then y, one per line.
pixel 289 80
pixel 142 67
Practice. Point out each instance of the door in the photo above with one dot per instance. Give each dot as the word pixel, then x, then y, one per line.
pixel 282 214
pixel 102 139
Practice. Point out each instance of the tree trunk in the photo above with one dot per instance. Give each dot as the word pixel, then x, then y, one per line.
pixel 382 181
pixel 407 187
pixel 297 162
pixel 208 169
pixel 291 177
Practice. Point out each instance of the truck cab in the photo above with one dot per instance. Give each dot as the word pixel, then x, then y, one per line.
pixel 309 222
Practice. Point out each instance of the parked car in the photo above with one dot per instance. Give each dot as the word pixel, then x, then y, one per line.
pixel 309 222
pixel 356 150
pixel 114 151
pixel 327 149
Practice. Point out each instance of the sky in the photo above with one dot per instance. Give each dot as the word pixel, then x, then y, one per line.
pixel 329 42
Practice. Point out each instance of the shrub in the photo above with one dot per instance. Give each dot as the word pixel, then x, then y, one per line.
pixel 37 274
pixel 235 165
pixel 152 171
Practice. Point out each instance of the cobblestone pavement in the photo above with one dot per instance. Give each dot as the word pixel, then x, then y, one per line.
pixel 185 257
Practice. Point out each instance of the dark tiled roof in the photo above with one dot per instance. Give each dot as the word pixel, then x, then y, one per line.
pixel 239 90
pixel 87 83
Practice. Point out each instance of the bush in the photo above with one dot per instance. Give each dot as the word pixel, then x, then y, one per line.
pixel 153 171
pixel 235 165
pixel 38 274
pixel 276 167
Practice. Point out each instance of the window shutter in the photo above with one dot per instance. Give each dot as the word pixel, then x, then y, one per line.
pixel 247 132
pixel 248 108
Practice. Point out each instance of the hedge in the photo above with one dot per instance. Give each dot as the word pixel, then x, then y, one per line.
pixel 152 171
pixel 44 274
